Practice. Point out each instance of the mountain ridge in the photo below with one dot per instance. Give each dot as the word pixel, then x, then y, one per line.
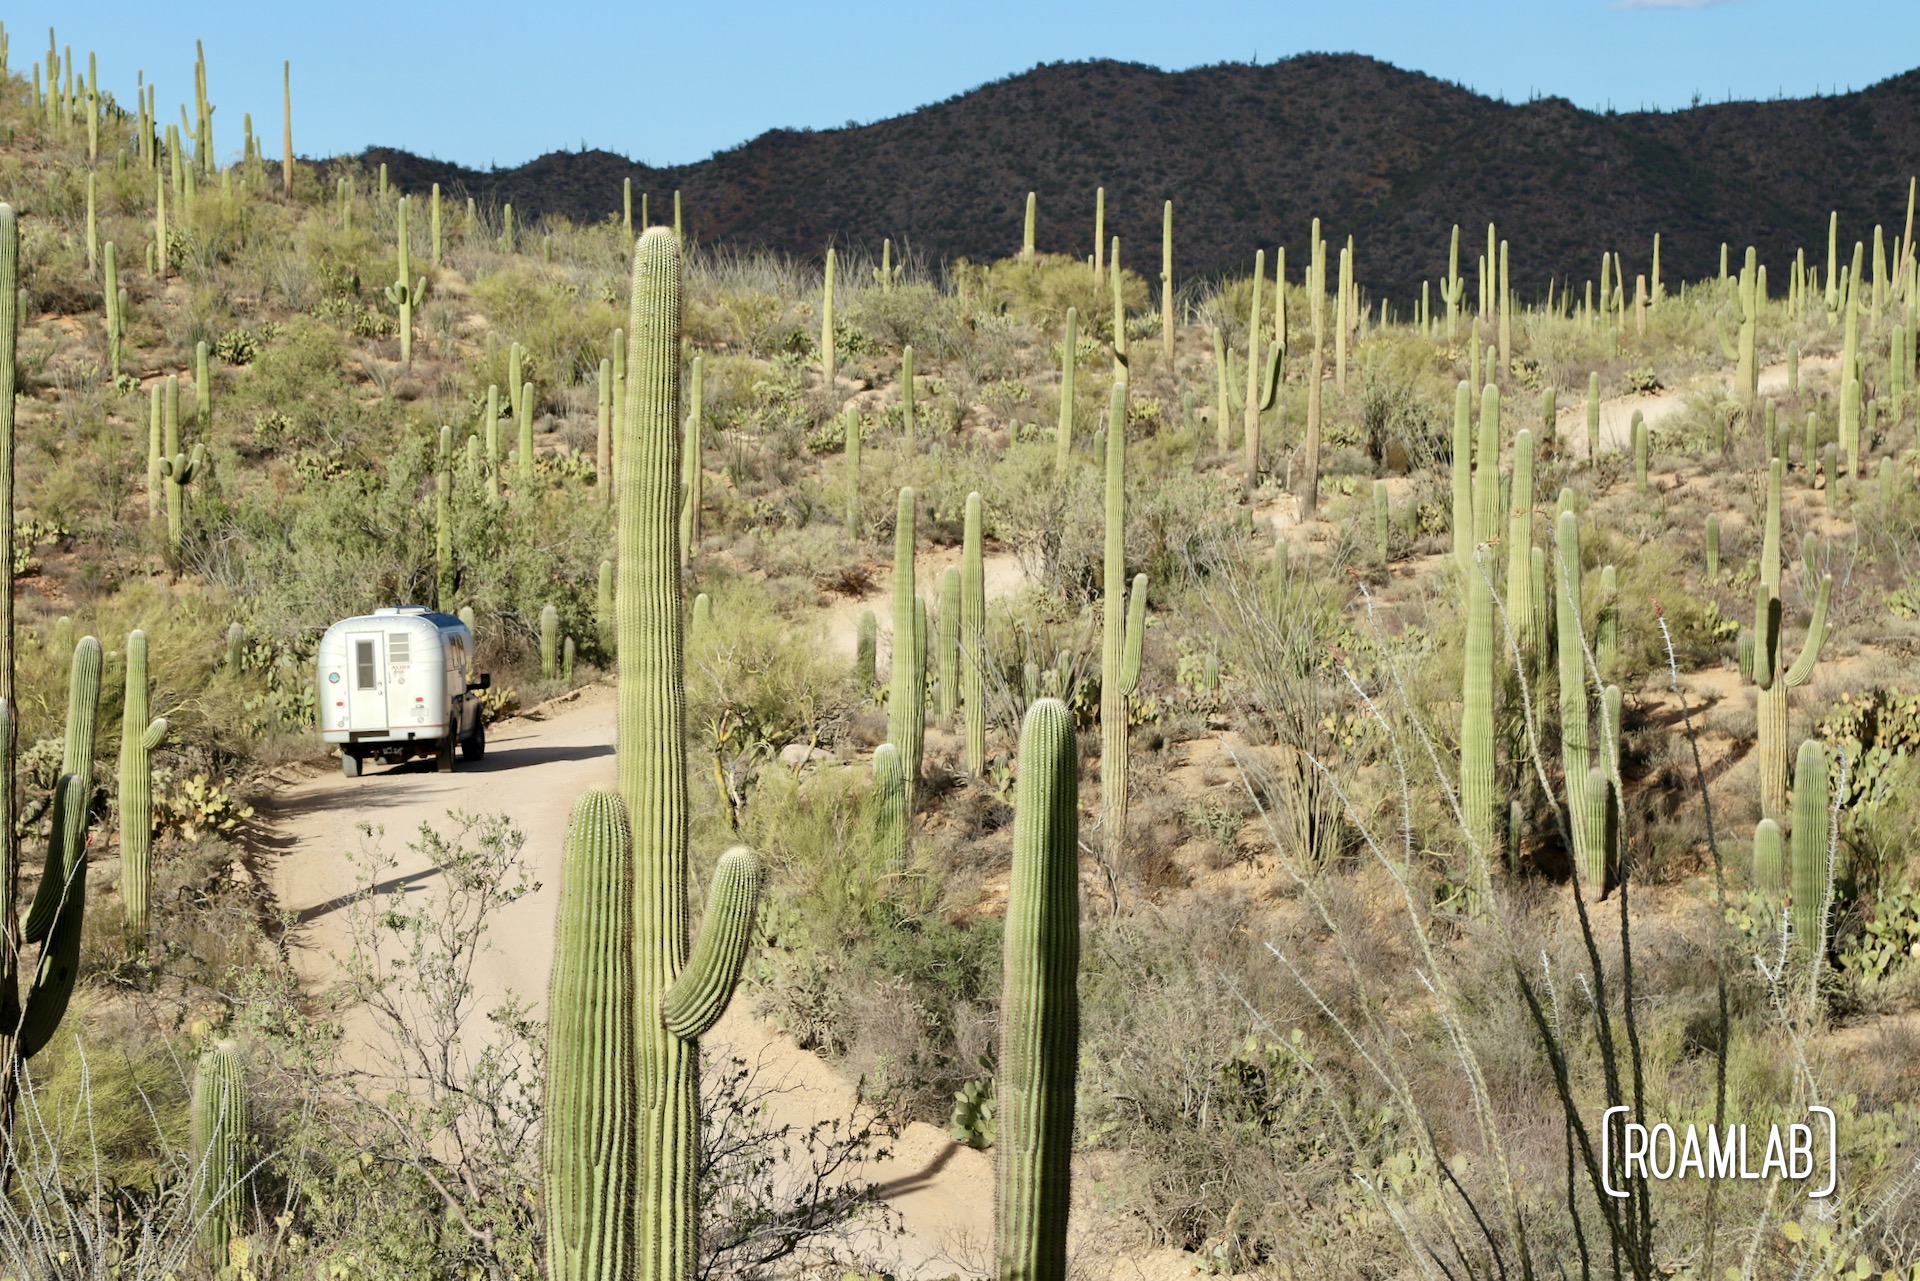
pixel 1251 153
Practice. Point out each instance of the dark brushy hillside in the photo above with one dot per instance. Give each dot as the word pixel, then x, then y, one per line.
pixel 1249 154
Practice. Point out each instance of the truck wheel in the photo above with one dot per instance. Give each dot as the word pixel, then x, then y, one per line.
pixel 349 763
pixel 474 746
pixel 443 759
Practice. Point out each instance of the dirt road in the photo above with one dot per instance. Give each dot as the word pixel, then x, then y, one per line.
pixel 533 772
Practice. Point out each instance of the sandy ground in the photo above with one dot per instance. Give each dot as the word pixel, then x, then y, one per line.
pixel 1616 412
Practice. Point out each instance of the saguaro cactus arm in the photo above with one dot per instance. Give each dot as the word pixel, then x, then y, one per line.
pixel 699 996
pixel 1817 631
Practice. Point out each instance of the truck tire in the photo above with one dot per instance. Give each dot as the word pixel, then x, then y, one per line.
pixel 443 759
pixel 349 763
pixel 474 746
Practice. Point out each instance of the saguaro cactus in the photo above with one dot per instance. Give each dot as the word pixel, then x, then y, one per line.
pixel 58 910
pixel 1120 637
pixel 1812 869
pixel 405 292
pixel 603 440
pixel 676 997
pixel 138 738
pixel 826 326
pixel 852 430
pixel 177 469
pixel 592 1106
pixel 549 640
pixel 1039 1006
pixel 1463 474
pixel 443 520
pixel 218 1123
pixel 906 702
pixel 973 624
pixel 1770 674
pixel 1478 804
pixel 907 396
pixel 526 442
pixel 890 804
pixel 1519 602
pixel 866 649
pixel 1069 361
pixel 1576 756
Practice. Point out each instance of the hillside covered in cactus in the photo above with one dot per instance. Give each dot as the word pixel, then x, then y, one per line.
pixel 1030 767
pixel 1252 153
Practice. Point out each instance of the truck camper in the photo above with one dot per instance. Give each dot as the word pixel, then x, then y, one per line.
pixel 399 683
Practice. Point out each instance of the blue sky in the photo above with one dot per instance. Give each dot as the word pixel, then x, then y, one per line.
pixel 490 82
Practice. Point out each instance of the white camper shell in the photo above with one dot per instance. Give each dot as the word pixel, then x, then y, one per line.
pixel 399 683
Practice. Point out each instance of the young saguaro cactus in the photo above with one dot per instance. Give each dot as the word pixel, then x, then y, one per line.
pixel 866 650
pixel 1039 1005
pixel 549 640
pixel 138 737
pixel 890 804
pixel 218 1124
pixel 676 997
pixel 973 625
pixel 1812 869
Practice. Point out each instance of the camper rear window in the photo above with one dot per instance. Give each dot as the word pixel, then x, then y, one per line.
pixel 363 665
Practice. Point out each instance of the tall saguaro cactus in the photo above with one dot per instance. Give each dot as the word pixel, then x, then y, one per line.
pixel 591 1104
pixel 973 626
pixel 906 700
pixel 1576 752
pixel 1770 672
pixel 1120 638
pixel 138 738
pixel 676 997
pixel 405 292
pixel 1039 1005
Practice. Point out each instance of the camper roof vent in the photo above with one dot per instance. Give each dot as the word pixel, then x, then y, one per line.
pixel 388 610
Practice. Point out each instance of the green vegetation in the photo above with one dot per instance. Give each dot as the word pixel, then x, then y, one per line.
pixel 1422 835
